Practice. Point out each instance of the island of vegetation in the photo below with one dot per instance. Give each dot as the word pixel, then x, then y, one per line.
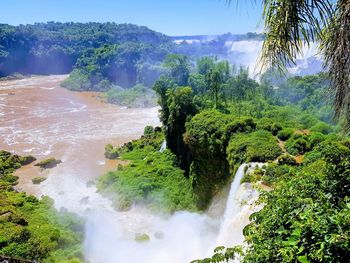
pixel 31 229
pixel 48 163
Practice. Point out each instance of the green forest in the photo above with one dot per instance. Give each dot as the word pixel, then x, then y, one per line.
pixel 215 116
pixel 31 228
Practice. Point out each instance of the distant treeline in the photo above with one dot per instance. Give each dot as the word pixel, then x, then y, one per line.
pixel 123 54
pixel 54 48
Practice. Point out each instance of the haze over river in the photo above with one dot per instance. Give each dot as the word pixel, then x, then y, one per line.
pixel 40 118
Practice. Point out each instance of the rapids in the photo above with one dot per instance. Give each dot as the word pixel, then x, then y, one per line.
pixel 40 118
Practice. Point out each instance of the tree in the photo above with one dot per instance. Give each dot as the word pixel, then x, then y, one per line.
pixel 214 81
pixel 181 108
pixel 178 67
pixel 205 64
pixel 161 87
pixel 197 83
pixel 291 24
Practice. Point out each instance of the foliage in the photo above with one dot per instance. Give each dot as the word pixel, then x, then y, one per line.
pixel 181 109
pixel 152 178
pixel 48 163
pixel 252 176
pixel 285 134
pixel 289 25
pixel 287 159
pixel 178 68
pixel 305 219
pixel 137 96
pixel 222 254
pixel 38 179
pixel 54 48
pixel 111 152
pixel 259 146
pixel 148 131
pixel 31 228
pixel 207 135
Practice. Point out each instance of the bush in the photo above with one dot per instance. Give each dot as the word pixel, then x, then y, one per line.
pixel 25 160
pixel 274 172
pixel 32 228
pixel 259 146
pixel 38 180
pixel 253 176
pixel 137 96
pixel 322 128
pixel 152 178
pixel 148 131
pixel 48 163
pixel 269 125
pixel 285 134
pixel 111 152
pixel 287 159
pixel 78 80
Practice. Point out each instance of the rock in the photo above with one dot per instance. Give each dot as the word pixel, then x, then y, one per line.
pixel 48 163
pixel 27 160
pixel 38 180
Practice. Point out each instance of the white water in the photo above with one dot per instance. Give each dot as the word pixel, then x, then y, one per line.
pixel 240 205
pixel 163 146
pixel 181 237
pixel 246 53
pixel 56 122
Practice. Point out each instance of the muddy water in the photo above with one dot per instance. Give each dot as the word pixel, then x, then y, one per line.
pixel 40 118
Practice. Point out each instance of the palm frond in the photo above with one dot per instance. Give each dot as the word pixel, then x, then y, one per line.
pixel 289 25
pixel 336 48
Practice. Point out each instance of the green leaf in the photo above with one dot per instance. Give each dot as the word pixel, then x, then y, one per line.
pixel 303 259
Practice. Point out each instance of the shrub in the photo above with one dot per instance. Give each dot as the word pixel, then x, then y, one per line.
pixel 322 127
pixel 137 96
pixel 48 163
pixel 287 159
pixel 111 152
pixel 253 176
pixel 275 172
pixel 78 80
pixel 148 131
pixel 259 146
pixel 285 134
pixel 38 180
pixel 32 228
pixel 297 145
pixel 269 125
pixel 152 178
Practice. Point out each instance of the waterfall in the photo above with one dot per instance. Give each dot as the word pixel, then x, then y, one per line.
pixel 240 205
pixel 163 146
pixel 233 205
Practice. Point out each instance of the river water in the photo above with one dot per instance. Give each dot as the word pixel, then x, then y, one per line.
pixel 40 118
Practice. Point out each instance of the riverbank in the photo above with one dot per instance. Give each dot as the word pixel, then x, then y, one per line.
pixel 40 118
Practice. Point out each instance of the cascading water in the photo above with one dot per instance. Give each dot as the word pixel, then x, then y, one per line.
pixel 240 204
pixel 110 236
pixel 163 146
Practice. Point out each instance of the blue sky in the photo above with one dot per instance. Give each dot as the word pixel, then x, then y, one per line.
pixel 172 17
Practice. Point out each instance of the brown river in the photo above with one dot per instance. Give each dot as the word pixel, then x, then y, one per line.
pixel 40 118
